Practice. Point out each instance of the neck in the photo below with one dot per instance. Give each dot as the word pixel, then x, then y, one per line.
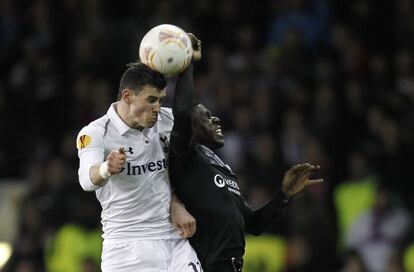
pixel 209 146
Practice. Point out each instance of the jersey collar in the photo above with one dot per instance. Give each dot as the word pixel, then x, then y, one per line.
pixel 214 159
pixel 116 120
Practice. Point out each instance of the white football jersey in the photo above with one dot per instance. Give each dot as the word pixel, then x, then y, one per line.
pixel 136 202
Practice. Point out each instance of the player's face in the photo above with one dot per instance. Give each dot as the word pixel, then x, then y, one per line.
pixel 206 128
pixel 145 106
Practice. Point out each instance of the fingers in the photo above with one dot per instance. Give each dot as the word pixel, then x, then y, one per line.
pixel 196 45
pixel 193 228
pixel 187 229
pixel 116 160
pixel 302 171
pixel 298 177
pixel 308 172
pixel 294 169
pixel 308 169
pixel 313 181
pixel 303 168
pixel 192 37
pixel 298 169
pixel 117 157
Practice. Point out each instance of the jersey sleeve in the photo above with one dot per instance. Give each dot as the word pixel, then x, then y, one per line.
pixel 90 152
pixel 256 221
pixel 167 121
pixel 183 101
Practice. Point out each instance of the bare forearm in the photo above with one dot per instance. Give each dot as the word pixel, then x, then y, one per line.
pixel 175 202
pixel 182 218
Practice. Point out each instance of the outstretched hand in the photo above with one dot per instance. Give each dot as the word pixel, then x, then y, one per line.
pixel 298 177
pixel 196 44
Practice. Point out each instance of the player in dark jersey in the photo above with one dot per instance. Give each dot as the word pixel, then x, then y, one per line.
pixel 209 188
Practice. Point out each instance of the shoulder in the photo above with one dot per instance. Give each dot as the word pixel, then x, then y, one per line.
pixel 203 153
pixel 96 127
pixel 166 117
pixel 166 113
pixel 92 133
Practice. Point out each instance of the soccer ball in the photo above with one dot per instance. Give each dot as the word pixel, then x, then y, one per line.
pixel 166 49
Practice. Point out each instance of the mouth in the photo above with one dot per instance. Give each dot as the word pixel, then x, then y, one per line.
pixel 219 131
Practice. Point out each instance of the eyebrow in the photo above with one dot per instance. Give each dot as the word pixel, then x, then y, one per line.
pixel 157 96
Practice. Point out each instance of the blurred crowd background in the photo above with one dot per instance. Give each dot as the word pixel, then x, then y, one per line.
pixel 319 81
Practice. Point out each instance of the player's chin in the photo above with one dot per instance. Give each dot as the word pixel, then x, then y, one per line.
pixel 219 142
pixel 151 123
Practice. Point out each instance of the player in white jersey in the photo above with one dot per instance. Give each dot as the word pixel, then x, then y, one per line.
pixel 123 158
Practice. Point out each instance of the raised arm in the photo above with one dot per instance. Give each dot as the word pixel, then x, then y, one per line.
pixel 183 105
pixel 295 180
pixel 180 140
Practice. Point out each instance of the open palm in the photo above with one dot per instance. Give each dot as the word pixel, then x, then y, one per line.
pixel 298 177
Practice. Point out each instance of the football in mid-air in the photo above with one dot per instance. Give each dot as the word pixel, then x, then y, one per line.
pixel 166 49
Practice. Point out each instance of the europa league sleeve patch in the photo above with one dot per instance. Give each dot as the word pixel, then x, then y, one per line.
pixel 83 141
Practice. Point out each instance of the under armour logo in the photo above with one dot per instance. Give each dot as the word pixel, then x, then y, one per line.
pixel 129 150
pixel 195 266
pixel 164 140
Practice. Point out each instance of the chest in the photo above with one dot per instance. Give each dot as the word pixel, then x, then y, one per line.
pixel 139 147
pixel 213 184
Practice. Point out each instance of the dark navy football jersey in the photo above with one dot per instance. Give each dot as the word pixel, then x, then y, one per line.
pixel 210 190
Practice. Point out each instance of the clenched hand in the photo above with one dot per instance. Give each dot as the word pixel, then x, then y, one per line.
pixel 116 160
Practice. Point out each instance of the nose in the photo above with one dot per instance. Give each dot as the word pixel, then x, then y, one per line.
pixel 157 107
pixel 215 120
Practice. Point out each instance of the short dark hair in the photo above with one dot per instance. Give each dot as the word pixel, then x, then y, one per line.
pixel 138 75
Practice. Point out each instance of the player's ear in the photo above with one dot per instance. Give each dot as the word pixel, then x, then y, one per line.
pixel 127 95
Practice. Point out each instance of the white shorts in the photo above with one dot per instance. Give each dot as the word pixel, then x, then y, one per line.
pixel 173 255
